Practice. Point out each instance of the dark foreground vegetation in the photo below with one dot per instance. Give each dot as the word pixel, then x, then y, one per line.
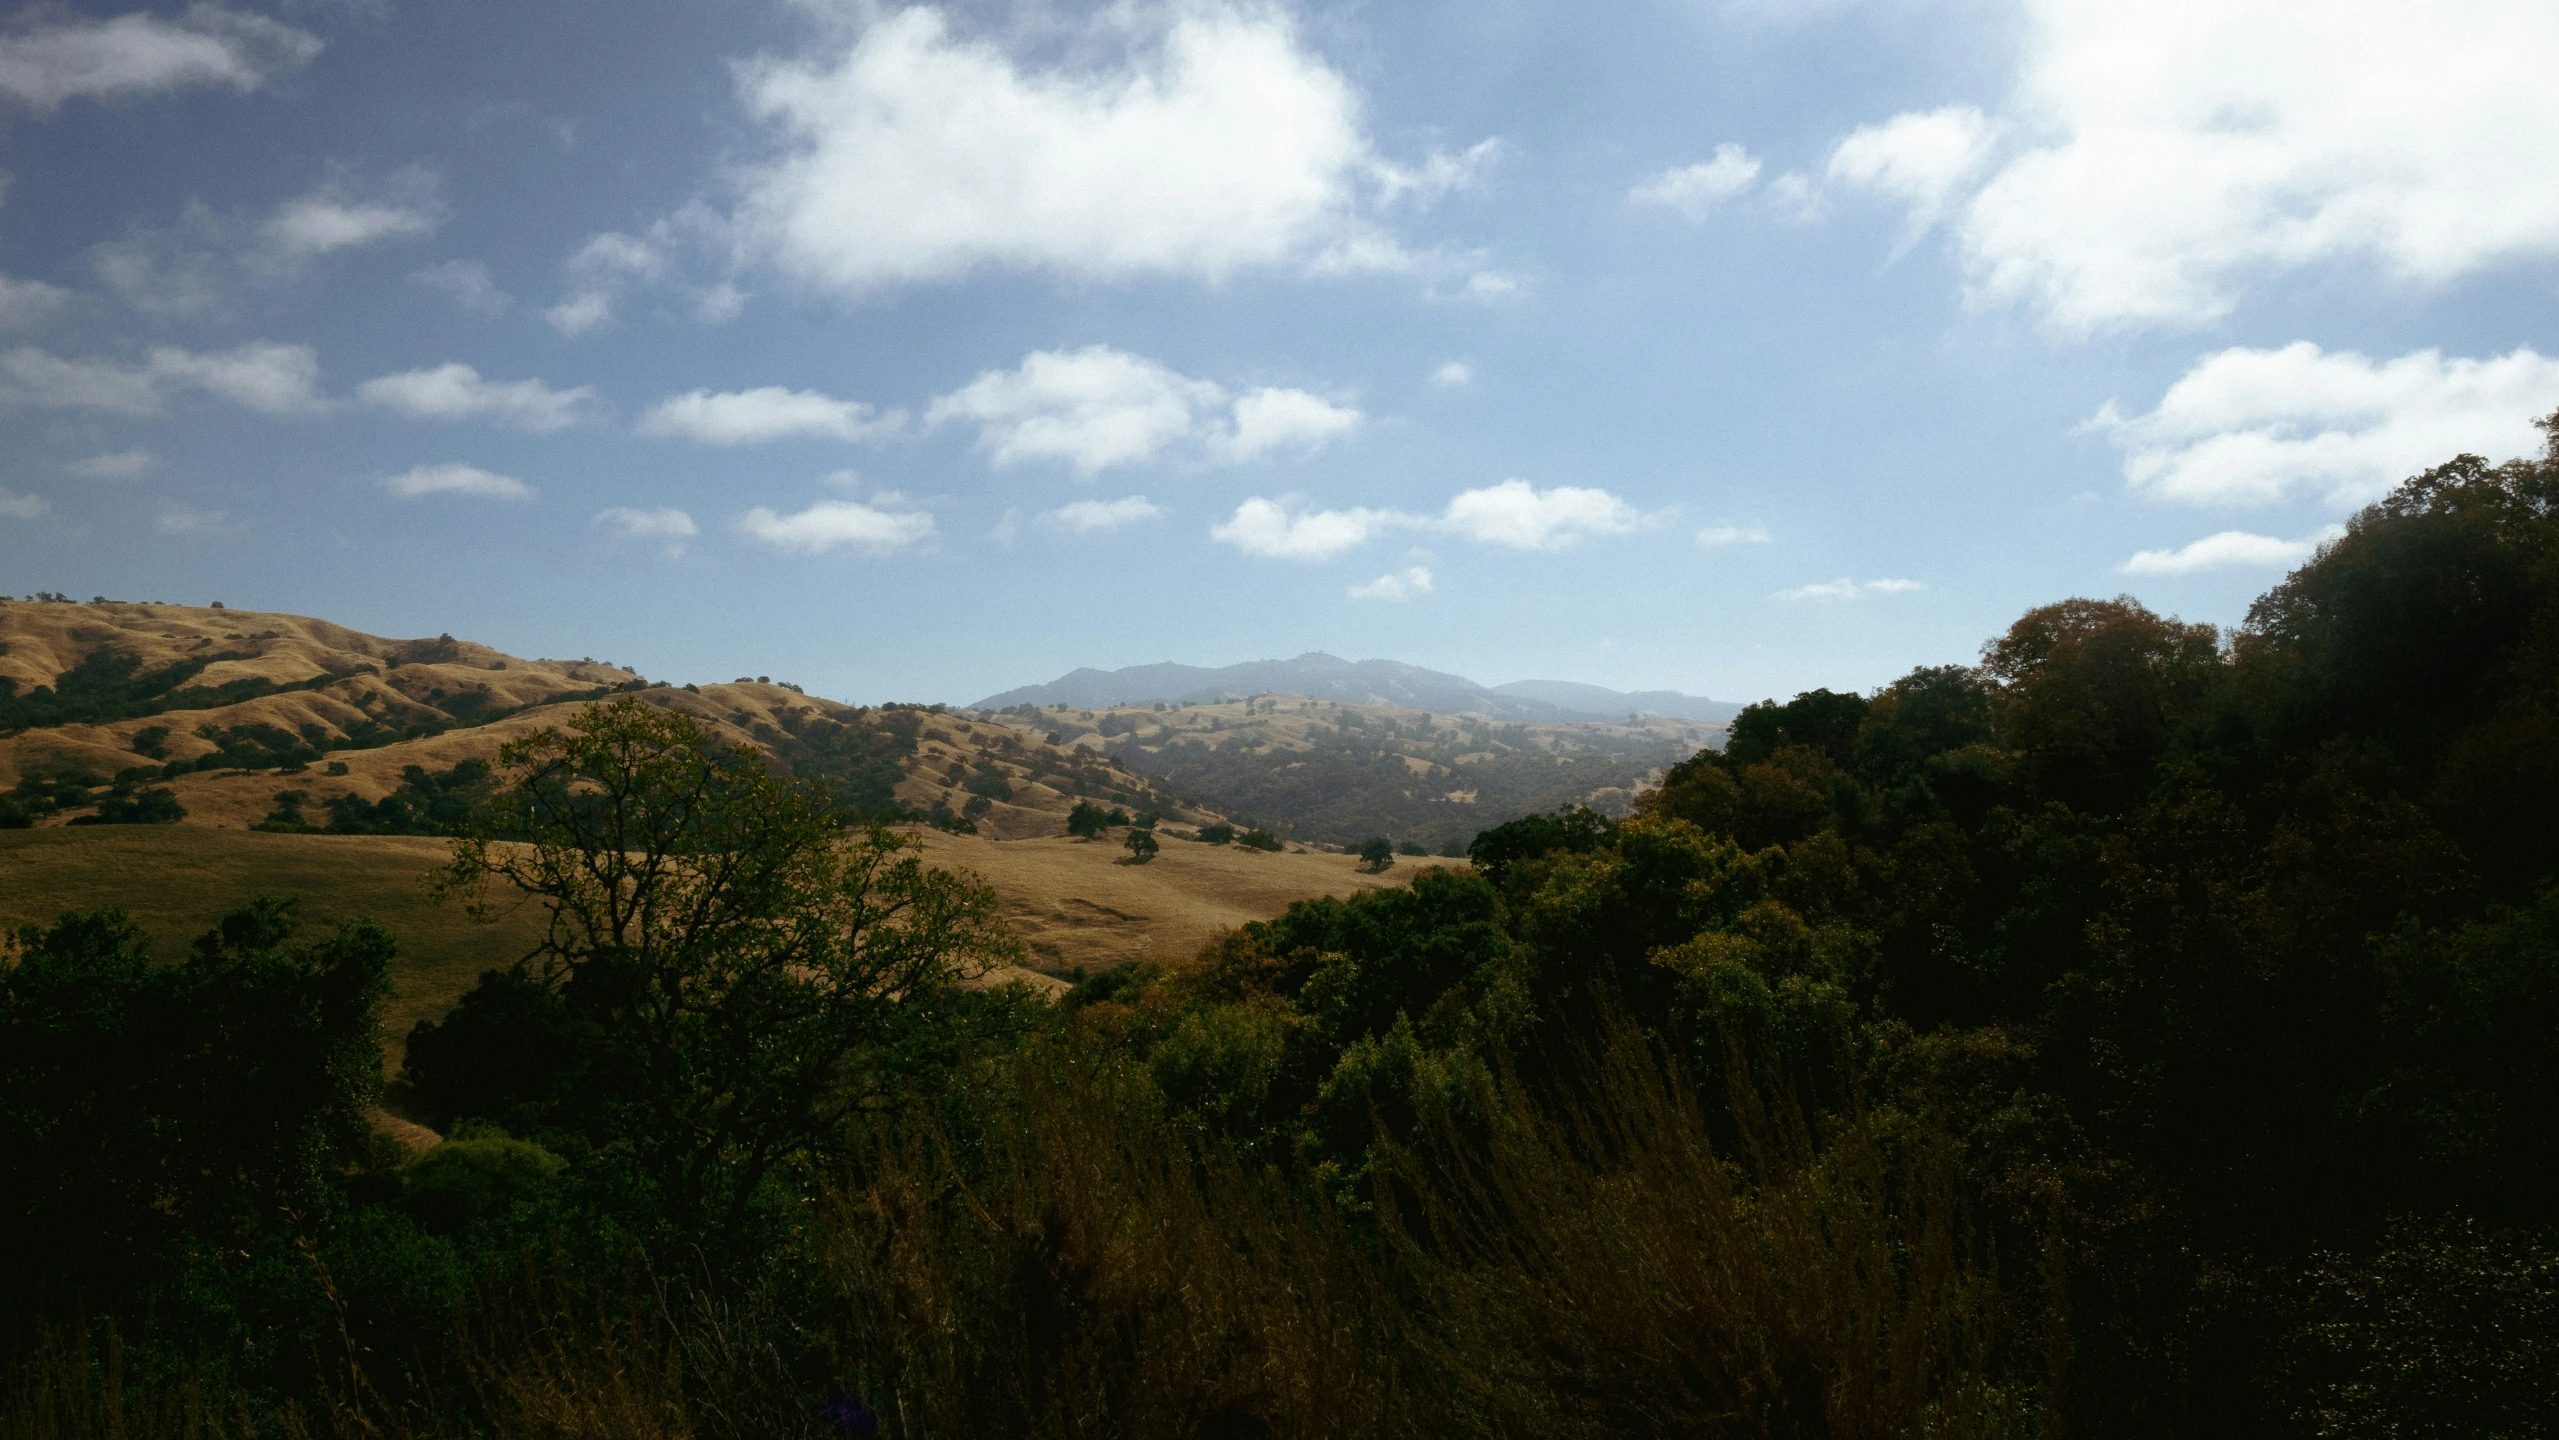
pixel 2145 1033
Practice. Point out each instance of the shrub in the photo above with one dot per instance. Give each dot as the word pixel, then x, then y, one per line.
pixel 1217 834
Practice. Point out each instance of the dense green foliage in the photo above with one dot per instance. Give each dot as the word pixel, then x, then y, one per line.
pixel 154 1118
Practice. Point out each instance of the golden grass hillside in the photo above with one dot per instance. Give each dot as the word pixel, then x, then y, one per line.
pixel 372 706
pixel 1073 902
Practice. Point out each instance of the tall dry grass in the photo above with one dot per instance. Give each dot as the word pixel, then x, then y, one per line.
pixel 1064 1258
pixel 1595 1266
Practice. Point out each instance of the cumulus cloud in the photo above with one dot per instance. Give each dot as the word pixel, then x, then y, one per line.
pixel 666 525
pixel 456 480
pixel 1847 589
pixel 2163 155
pixel 1279 530
pixel 1270 420
pixel 1098 407
pixel 1920 159
pixel 468 284
pixel 264 376
pixel 27 303
pixel 1210 141
pixel 1519 516
pixel 331 219
pixel 879 528
pixel 1091 517
pixel 1695 190
pixel 768 412
pixel 2256 426
pixel 1453 375
pixel 1718 535
pixel 15 506
pixel 456 392
pixel 112 465
pixel 1513 515
pixel 2231 549
pixel 47 59
pixel 1401 584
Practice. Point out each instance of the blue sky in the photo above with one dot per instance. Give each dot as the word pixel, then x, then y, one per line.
pixel 922 352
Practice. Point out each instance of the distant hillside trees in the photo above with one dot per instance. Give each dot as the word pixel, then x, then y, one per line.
pixel 1088 820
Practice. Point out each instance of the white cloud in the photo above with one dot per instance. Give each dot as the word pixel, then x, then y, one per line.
pixel 1798 198
pixel 1401 584
pixel 468 284
pixel 1514 515
pixel 2165 155
pixel 1454 375
pixel 39 377
pixel 1092 408
pixel 667 525
pixel 1098 407
pixel 113 465
pixel 598 273
pixel 24 303
pixel 1273 530
pixel 2255 426
pixel 181 520
pixel 1088 517
pixel 2230 549
pixel 1919 159
pixel 1210 140
pixel 1271 419
pixel 192 269
pixel 769 412
pixel 1519 516
pixel 1715 535
pixel 329 219
pixel 44 64
pixel 824 526
pixel 15 506
pixel 456 392
pixel 1847 589
pixel 1695 190
pixel 264 376
pixel 456 480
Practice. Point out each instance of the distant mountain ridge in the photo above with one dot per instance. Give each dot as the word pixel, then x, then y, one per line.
pixel 1320 676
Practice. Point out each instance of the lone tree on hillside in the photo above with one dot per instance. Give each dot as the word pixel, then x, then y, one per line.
pixel 742 969
pixel 1087 820
pixel 1141 846
pixel 1379 853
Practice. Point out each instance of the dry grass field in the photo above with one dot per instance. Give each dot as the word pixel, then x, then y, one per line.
pixel 1072 902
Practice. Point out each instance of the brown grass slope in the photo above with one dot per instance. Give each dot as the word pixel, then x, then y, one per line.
pixel 477 697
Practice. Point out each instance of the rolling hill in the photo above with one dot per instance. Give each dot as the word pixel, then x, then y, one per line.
pixel 1337 774
pixel 1319 676
pixel 228 709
